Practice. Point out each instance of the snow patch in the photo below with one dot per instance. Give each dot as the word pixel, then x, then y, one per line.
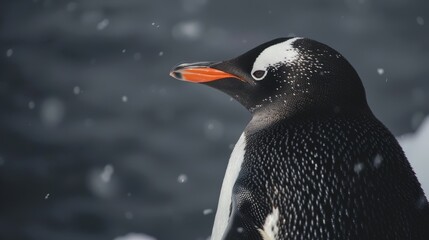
pixel 416 148
pixel 135 236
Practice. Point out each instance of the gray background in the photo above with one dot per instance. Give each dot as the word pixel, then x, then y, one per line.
pixel 95 136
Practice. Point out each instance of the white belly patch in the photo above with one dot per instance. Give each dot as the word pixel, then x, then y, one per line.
pixel 234 167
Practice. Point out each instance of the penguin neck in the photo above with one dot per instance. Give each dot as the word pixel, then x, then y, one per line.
pixel 263 118
pixel 274 113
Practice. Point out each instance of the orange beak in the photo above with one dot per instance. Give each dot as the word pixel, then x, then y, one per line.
pixel 200 72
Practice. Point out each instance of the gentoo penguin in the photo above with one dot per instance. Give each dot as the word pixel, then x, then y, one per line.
pixel 313 162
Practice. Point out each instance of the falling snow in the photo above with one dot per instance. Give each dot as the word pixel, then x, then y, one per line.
pixel 214 129
pixel 52 111
pixel 182 178
pixel 101 182
pixel 129 215
pixel 88 122
pixel 137 56
pixel 103 24
pixel 380 71
pixel 207 211
pixel 420 21
pixel 188 31
pixel 31 105
pixel 192 6
pixel 377 161
pixel 107 173
pixel 71 6
pixel 76 90
pixel 124 99
pixel 9 52
pixel 358 167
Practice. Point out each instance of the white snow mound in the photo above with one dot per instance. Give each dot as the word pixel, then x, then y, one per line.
pixel 135 236
pixel 416 148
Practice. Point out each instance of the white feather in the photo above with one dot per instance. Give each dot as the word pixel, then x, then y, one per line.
pixel 271 227
pixel 234 167
pixel 275 55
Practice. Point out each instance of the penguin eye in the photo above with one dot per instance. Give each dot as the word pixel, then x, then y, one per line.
pixel 259 74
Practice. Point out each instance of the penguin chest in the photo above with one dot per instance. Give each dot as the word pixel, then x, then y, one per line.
pixel 231 175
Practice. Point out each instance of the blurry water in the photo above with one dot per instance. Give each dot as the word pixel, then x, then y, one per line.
pixel 97 141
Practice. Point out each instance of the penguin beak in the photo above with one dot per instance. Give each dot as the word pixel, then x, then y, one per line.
pixel 200 72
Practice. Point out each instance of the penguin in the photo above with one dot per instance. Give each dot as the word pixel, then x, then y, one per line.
pixel 313 162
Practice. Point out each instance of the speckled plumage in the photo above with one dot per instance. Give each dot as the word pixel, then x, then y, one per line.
pixel 337 177
pixel 315 163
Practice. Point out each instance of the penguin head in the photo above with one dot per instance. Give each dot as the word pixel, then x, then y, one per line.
pixel 285 75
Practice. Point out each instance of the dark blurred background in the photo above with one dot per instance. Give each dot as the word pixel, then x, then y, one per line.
pixel 97 141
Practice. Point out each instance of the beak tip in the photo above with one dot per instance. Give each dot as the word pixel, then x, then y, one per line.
pixel 176 74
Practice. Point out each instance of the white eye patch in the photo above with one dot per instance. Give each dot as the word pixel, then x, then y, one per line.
pixel 274 56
